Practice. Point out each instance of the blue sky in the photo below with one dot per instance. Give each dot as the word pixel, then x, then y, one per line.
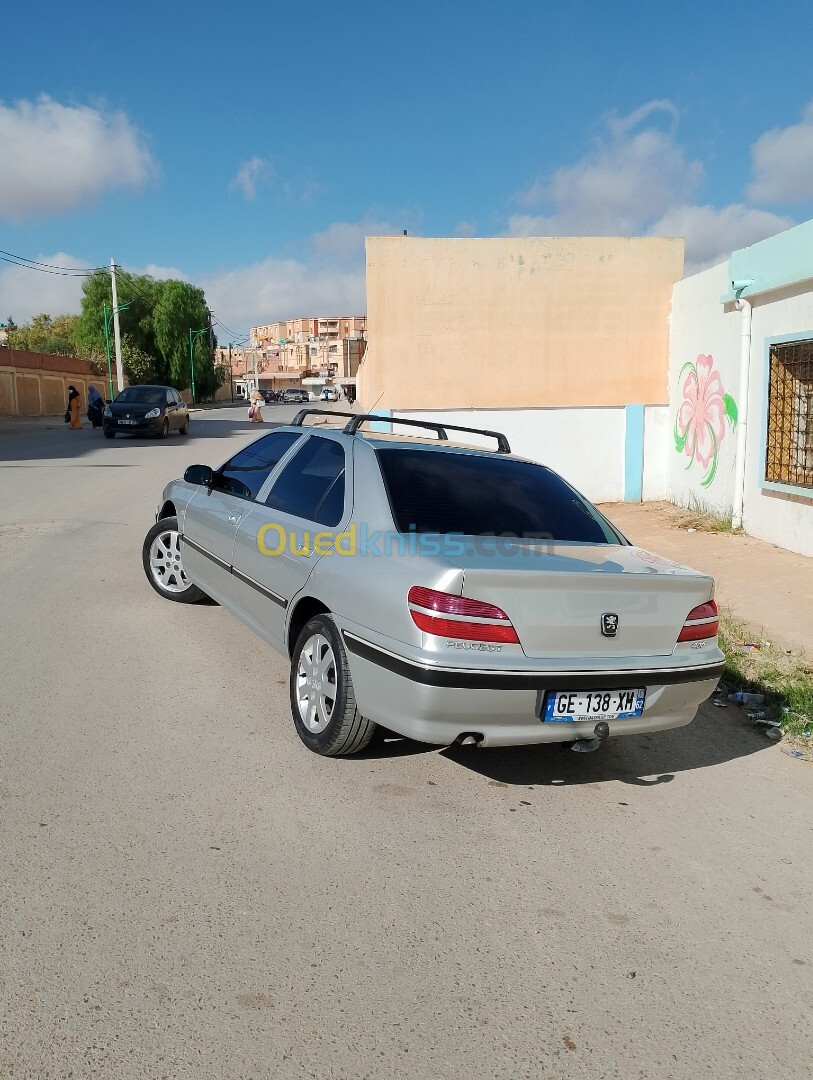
pixel 249 147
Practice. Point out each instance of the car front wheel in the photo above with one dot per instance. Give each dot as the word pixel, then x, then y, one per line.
pixel 323 703
pixel 163 565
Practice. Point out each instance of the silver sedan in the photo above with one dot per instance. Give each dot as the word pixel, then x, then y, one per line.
pixel 447 592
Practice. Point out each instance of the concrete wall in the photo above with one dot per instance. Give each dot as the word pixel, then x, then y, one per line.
pixel 597 450
pixel 705 351
pixel 36 384
pixel 518 322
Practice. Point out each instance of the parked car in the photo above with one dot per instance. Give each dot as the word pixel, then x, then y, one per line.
pixel 270 396
pixel 146 410
pixel 330 393
pixel 294 393
pixel 447 593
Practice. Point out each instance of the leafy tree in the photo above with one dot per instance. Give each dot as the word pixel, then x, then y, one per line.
pixel 46 334
pixel 155 318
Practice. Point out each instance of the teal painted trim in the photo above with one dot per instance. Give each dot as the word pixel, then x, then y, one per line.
pixel 376 425
pixel 771 485
pixel 633 453
pixel 776 263
pixel 788 489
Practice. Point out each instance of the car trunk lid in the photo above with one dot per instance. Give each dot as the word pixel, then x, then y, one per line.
pixel 557 596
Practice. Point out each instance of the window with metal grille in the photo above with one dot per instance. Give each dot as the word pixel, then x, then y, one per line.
pixel 789 453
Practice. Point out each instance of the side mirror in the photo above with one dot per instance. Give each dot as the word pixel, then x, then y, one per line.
pixel 199 475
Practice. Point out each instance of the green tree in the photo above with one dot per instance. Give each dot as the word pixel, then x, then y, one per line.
pixel 54 335
pixel 155 323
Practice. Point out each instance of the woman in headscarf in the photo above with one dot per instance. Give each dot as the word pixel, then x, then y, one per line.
pixel 73 407
pixel 257 402
pixel 95 406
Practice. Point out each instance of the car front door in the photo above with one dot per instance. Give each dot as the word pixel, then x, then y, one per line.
pixel 280 542
pixel 214 513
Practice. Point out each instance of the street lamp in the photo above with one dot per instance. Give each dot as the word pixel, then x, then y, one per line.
pixel 193 335
pixel 107 321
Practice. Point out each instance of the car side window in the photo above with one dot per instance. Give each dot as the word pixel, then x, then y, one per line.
pixel 249 469
pixel 170 397
pixel 311 485
pixel 178 398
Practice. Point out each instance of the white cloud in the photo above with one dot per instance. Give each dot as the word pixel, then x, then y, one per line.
pixel 283 289
pixel 712 234
pixel 630 177
pixel 465 228
pixel 252 175
pixel 58 157
pixel 782 163
pixel 25 293
pixel 345 239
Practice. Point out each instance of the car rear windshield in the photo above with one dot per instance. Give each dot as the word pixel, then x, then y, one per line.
pixel 142 395
pixel 478 495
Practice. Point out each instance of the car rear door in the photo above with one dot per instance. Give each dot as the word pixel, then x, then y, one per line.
pixel 280 542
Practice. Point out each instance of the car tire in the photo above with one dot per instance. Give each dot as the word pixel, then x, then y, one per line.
pixel 184 428
pixel 323 702
pixel 165 429
pixel 161 557
pixel 110 434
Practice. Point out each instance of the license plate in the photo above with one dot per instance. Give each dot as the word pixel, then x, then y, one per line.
pixel 131 422
pixel 565 707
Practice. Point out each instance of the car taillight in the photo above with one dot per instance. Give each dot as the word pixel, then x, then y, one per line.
pixel 701 622
pixel 458 617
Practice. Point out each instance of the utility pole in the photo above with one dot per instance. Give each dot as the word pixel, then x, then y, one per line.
pixel 231 376
pixel 116 330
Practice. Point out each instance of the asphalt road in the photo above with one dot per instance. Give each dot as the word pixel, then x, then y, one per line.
pixel 185 891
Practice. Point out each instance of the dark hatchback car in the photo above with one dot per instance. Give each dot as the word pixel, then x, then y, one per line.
pixel 146 410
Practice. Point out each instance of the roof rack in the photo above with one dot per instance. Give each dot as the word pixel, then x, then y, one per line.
pixel 300 416
pixel 503 446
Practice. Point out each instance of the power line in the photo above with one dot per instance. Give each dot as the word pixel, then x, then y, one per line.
pixel 223 326
pixel 45 268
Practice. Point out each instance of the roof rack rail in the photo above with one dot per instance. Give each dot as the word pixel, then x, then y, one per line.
pixel 503 446
pixel 300 416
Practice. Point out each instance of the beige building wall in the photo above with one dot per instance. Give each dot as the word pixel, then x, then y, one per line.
pixel 518 322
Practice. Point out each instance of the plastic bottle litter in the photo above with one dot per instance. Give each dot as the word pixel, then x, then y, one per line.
pixel 742 698
pixel 774 733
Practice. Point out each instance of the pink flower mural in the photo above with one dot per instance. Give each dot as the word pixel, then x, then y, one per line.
pixel 700 423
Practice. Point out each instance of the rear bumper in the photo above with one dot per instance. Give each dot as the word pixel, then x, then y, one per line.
pixel 437 704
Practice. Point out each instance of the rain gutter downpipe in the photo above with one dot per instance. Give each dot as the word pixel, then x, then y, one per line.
pixel 744 308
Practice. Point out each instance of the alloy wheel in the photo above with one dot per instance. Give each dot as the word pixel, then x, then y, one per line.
pixel 166 565
pixel 316 686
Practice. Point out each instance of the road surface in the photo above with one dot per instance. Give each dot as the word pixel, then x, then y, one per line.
pixel 186 892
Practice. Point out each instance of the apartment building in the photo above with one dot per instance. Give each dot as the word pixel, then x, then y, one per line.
pixel 323 346
pixel 313 352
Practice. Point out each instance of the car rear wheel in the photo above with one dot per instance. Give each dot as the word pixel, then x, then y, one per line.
pixel 163 565
pixel 323 703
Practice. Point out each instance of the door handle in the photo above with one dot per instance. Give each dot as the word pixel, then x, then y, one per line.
pixel 234 518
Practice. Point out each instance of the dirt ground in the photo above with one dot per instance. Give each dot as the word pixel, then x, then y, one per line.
pixel 767 587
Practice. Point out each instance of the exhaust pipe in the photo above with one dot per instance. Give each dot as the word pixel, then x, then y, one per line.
pixel 468 738
pixel 587 746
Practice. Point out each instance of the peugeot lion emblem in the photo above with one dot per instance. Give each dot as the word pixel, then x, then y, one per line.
pixel 609 624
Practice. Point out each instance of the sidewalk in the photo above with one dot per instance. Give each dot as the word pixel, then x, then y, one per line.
pixel 767 587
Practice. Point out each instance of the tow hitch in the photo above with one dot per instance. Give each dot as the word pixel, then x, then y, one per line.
pixel 586 746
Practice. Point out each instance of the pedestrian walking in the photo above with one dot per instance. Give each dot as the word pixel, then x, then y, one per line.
pixel 255 412
pixel 74 404
pixel 95 406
